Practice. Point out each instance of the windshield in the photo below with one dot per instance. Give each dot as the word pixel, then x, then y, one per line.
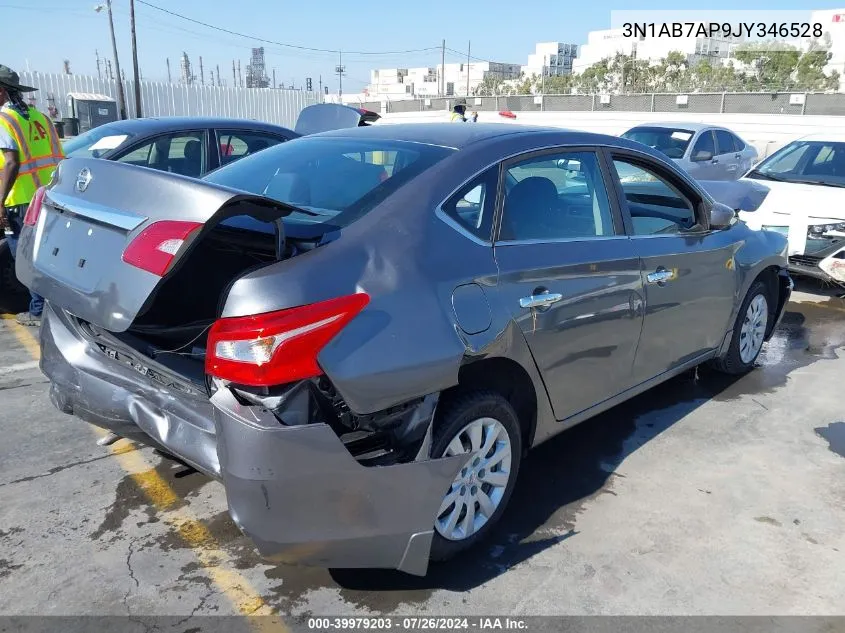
pixel 334 181
pixel 814 162
pixel 95 143
pixel 672 142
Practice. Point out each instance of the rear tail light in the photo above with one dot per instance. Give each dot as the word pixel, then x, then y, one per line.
pixel 276 348
pixel 156 246
pixel 34 208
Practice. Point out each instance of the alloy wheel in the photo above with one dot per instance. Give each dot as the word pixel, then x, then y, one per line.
pixel 479 486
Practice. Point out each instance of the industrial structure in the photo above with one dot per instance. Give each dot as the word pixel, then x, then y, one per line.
pixel 256 71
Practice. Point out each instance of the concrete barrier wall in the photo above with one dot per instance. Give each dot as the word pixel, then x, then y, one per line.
pixel 766 132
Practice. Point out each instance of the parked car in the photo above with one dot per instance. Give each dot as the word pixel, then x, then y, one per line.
pixel 191 146
pixel 360 337
pixel 707 152
pixel 805 200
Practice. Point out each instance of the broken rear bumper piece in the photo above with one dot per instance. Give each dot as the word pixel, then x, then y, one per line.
pixel 296 491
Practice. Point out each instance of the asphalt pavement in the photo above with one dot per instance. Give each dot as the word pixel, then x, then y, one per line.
pixel 705 495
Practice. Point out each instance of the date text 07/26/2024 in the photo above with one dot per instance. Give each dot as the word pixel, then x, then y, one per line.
pixel 722 29
pixel 417 623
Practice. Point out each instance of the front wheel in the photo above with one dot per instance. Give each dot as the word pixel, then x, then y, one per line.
pixel 484 427
pixel 749 332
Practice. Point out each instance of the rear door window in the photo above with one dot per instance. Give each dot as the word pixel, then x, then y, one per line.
pixel 725 142
pixel 235 144
pixel 704 143
pixel 473 206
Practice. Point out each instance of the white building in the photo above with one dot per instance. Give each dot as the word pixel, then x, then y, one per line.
pixel 551 59
pixel 407 83
pixel 610 42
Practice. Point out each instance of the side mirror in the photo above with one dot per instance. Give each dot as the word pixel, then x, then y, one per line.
pixel 702 155
pixel 721 216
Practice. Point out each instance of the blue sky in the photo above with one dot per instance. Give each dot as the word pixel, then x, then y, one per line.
pixel 498 29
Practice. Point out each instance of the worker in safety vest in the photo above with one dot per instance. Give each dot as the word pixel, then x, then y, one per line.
pixel 459 111
pixel 29 153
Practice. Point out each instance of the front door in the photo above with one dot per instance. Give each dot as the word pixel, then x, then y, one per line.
pixel 688 271
pixel 569 275
pixel 704 164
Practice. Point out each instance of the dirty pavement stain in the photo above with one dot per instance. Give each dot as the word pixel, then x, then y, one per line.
pixel 768 520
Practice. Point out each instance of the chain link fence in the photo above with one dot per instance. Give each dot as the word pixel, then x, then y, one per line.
pixel 797 103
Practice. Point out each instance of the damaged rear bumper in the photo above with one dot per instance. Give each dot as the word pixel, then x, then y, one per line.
pixel 296 491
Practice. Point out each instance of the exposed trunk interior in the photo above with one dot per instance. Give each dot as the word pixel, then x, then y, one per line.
pixel 173 328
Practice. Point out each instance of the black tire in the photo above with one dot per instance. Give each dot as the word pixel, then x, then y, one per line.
pixel 731 363
pixel 456 414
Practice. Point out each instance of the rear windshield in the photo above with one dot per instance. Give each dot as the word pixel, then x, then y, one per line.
pixel 334 181
pixel 672 142
pixel 95 143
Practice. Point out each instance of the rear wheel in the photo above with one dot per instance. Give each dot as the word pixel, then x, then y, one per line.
pixel 750 329
pixel 484 427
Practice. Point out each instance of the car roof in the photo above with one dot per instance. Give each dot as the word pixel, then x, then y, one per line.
pixel 681 125
pixel 830 137
pixel 460 135
pixel 156 125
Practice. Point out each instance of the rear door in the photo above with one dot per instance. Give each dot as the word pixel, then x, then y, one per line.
pixel 181 152
pixel 569 275
pixel 108 233
pixel 688 270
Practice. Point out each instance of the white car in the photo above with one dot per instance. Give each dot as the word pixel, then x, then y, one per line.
pixel 806 202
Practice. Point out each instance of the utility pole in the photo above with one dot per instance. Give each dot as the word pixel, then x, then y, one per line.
pixel 340 70
pixel 274 79
pixel 321 84
pixel 135 71
pixel 110 74
pixel 121 98
pixel 202 73
pixel 468 45
pixel 168 70
pixel 442 84
pixel 240 76
pixel 219 83
pixel 99 74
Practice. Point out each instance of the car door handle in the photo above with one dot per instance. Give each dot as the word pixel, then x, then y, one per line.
pixel 715 161
pixel 660 276
pixel 540 301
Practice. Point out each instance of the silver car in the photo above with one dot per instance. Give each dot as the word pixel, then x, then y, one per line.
pixel 707 152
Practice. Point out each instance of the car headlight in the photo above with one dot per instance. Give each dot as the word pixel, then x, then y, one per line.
pixel 818 230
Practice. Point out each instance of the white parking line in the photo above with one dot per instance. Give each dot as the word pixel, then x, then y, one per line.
pixel 11 369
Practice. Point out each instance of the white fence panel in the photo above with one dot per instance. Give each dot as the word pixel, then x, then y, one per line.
pixel 281 107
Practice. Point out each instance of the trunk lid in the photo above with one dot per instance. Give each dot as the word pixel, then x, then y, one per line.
pixel 323 117
pixel 93 210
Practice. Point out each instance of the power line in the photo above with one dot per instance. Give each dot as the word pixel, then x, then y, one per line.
pixel 284 44
pixel 464 55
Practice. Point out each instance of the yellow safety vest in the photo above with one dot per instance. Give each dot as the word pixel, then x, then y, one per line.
pixel 458 117
pixel 39 152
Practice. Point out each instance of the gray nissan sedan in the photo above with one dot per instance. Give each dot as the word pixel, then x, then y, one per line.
pixel 362 332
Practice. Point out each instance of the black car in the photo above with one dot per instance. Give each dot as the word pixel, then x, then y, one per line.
pixel 191 146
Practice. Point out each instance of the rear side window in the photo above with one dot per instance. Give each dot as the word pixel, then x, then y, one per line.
pixel 655 206
pixel 235 144
pixel 473 206
pixel 725 141
pixel 739 144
